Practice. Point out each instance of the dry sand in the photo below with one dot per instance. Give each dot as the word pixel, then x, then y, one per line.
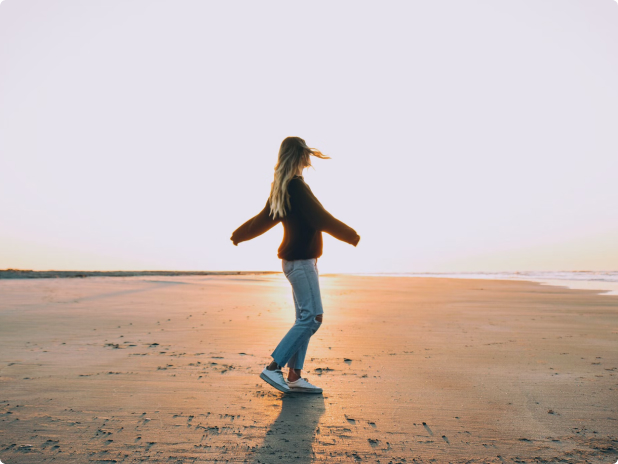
pixel 165 369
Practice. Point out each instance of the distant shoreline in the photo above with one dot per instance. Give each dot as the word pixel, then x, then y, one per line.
pixel 28 274
pixel 605 282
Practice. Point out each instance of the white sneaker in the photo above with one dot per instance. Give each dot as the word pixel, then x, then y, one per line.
pixel 275 378
pixel 302 386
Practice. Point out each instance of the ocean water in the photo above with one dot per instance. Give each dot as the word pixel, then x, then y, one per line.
pixel 604 281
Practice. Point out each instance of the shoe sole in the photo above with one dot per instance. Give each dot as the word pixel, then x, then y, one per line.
pixel 273 384
pixel 304 390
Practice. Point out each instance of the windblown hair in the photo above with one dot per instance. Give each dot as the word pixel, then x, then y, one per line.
pixel 293 154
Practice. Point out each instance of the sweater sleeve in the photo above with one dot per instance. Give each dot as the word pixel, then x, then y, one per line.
pixel 317 217
pixel 255 226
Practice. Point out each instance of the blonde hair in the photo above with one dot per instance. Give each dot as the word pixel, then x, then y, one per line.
pixel 293 154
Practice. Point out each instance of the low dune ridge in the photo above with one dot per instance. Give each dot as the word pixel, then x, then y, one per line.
pixel 165 368
pixel 30 274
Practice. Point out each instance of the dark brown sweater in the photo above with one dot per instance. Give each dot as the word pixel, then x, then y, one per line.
pixel 302 225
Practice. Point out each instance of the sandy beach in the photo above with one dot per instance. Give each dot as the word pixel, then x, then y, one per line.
pixel 165 369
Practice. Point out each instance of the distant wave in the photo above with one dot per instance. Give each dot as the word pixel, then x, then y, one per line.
pixel 603 276
pixel 605 281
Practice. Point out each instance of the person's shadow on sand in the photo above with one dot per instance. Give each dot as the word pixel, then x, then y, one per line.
pixel 290 437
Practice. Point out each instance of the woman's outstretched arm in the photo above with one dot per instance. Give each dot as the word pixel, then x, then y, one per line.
pixel 318 217
pixel 255 226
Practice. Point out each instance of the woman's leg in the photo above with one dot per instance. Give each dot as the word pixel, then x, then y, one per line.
pixel 287 266
pixel 298 358
pixel 292 361
pixel 303 276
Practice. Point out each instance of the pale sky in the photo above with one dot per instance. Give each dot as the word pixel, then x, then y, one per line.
pixel 464 135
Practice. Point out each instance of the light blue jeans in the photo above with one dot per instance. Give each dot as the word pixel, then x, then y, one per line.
pixel 303 275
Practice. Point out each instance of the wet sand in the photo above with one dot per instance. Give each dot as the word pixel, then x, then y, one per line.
pixel 165 369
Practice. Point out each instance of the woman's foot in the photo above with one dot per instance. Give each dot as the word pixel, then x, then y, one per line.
pixel 273 366
pixel 294 375
pixel 275 378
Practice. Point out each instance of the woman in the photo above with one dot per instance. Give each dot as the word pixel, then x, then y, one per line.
pixel 304 219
